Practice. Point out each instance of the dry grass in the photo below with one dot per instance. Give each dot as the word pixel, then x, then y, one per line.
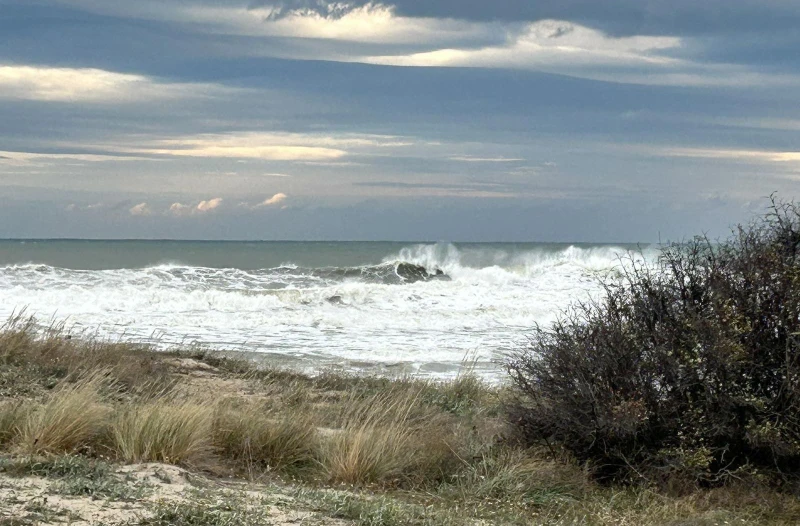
pixel 389 438
pixel 373 442
pixel 259 439
pixel 163 431
pixel 12 415
pixel 508 473
pixel 70 420
pixel 42 356
pixel 444 444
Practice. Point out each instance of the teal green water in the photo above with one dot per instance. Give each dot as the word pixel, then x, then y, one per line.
pixel 100 255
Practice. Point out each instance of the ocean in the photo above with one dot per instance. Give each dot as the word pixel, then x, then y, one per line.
pixel 380 307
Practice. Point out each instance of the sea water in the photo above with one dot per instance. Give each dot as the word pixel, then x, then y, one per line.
pixel 406 308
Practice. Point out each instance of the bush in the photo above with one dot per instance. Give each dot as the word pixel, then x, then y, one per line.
pixel 689 367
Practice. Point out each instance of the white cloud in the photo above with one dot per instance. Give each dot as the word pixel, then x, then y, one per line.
pixel 470 159
pixel 39 159
pixel 92 206
pixel 211 204
pixel 268 146
pixel 546 43
pixel 758 156
pixel 142 209
pixel 22 82
pixel 180 209
pixel 384 37
pixel 274 200
pixel 373 23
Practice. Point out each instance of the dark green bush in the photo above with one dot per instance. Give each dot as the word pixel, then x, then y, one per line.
pixel 686 368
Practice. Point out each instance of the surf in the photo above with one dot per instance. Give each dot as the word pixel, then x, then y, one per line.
pixel 418 307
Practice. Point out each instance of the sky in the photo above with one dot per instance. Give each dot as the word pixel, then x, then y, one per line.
pixel 441 120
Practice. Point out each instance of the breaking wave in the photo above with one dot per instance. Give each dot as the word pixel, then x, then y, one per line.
pixel 421 309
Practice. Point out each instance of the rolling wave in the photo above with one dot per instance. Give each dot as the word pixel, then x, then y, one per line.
pixel 424 307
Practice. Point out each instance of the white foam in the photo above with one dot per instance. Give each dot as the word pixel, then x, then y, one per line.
pixel 492 301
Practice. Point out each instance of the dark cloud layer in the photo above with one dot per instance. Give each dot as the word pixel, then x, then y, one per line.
pixel 628 17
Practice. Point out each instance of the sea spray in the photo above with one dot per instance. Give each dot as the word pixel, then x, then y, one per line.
pixel 417 308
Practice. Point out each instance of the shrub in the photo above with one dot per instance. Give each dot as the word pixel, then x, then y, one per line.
pixel 76 475
pixel 689 367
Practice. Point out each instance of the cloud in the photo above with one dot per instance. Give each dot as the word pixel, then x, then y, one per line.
pixel 757 156
pixel 549 45
pixel 211 204
pixel 180 209
pixel 142 209
pixel 92 206
pixel 274 200
pixel 470 159
pixel 549 41
pixel 267 146
pixel 49 159
pixel 567 48
pixel 370 22
pixel 461 190
pixel 540 38
pixel 41 83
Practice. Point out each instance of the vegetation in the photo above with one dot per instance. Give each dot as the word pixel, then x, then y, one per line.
pixel 77 475
pixel 162 431
pixel 672 400
pixel 689 371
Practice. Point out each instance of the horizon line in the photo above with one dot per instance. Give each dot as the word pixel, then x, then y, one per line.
pixel 317 241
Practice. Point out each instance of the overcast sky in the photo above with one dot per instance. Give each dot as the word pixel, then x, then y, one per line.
pixel 549 120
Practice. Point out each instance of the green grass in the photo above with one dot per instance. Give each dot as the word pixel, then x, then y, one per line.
pixel 217 508
pixel 41 512
pixel 77 476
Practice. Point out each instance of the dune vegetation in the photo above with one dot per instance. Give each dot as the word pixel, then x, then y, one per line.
pixel 673 400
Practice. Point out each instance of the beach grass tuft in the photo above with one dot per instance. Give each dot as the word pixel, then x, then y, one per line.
pixel 71 419
pixel 170 432
pixel 259 439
